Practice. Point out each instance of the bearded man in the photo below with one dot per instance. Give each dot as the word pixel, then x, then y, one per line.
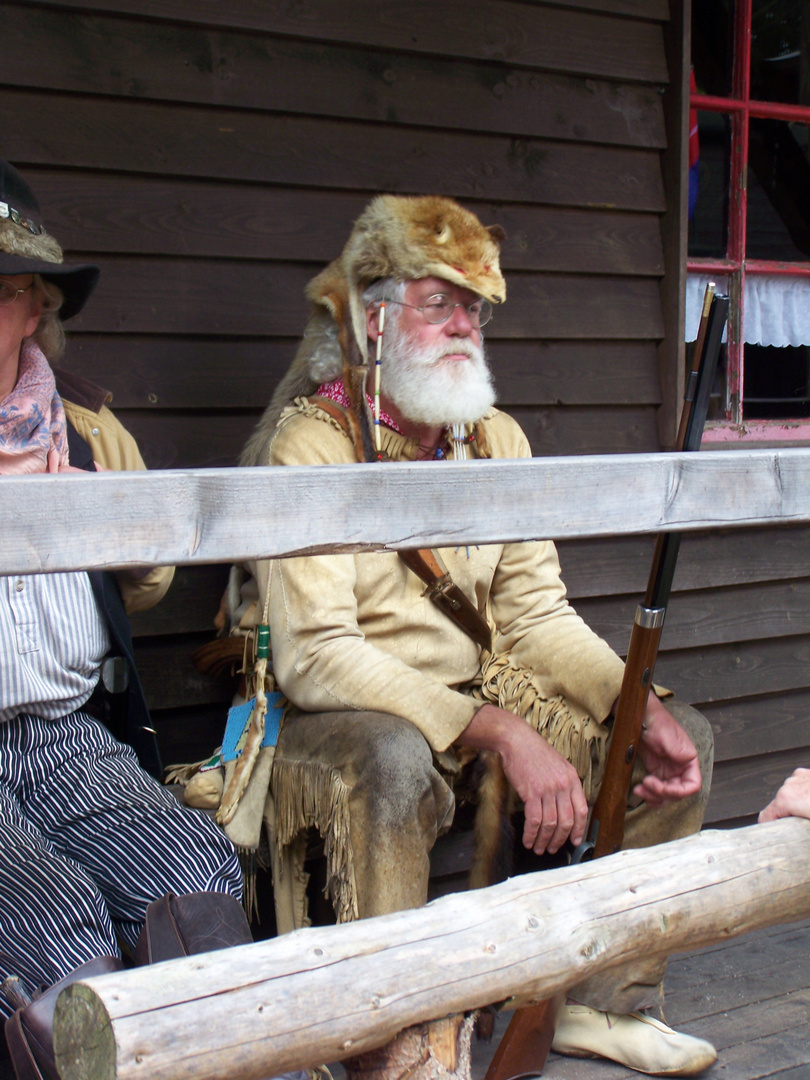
pixel 389 696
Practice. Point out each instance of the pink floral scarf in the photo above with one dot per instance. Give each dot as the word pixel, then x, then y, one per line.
pixel 33 430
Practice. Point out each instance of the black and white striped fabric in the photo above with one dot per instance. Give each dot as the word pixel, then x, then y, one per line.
pixel 52 642
pixel 87 840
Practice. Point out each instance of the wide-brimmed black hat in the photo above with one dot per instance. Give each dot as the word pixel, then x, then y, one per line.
pixel 27 248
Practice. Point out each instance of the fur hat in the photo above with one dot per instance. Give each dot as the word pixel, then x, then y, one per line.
pixel 27 248
pixel 399 237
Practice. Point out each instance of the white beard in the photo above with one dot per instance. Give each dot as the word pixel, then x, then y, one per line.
pixel 429 390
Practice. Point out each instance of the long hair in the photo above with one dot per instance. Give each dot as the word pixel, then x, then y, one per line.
pixel 50 334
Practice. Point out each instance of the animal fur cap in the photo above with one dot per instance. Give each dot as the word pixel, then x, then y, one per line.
pixel 411 238
pixel 407 239
pixel 399 237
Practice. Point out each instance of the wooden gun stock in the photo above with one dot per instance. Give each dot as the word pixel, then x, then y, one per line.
pixel 518 1053
pixel 606 828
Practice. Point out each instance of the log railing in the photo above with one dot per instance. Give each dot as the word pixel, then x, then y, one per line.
pixel 320 995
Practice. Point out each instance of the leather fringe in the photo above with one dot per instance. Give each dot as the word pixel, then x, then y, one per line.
pixel 310 795
pixel 577 736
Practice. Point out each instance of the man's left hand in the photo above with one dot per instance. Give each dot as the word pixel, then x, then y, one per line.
pixel 669 756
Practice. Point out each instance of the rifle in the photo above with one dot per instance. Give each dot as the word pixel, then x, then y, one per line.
pixel 527 1040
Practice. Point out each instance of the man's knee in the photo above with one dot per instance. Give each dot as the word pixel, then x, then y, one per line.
pixel 699 730
pixel 398 780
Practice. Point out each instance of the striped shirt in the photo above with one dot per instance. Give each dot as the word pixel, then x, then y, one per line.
pixel 52 642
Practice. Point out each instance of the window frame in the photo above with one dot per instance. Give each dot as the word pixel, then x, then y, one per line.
pixel 739 108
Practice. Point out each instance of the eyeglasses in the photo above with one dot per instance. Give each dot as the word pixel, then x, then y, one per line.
pixel 9 292
pixel 438 309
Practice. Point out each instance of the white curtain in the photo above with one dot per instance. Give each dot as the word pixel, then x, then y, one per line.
pixel 776 310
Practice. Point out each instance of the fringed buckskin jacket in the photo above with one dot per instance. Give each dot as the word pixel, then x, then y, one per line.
pixel 355 631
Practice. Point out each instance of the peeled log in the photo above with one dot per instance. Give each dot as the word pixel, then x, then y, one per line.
pixel 322 994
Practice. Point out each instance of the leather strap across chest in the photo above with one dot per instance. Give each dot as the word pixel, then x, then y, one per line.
pixel 428 565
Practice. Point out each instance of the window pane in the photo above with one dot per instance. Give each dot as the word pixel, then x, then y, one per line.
pixel 778 187
pixel 712 45
pixel 708 203
pixel 779 51
pixel 775 383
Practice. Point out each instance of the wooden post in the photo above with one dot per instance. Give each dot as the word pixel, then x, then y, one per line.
pixel 323 994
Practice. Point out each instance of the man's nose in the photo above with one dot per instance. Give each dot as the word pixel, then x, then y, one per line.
pixel 460 324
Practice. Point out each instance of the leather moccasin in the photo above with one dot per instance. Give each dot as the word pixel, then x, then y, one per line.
pixel 634 1040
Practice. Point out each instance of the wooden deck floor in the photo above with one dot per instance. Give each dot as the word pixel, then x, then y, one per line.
pixel 750 997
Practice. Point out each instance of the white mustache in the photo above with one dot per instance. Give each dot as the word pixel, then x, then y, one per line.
pixel 462 347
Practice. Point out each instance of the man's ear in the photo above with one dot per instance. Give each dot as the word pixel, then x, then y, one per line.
pixel 373 321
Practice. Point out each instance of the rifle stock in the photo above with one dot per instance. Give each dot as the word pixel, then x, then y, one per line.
pixel 607 817
pixel 606 828
pixel 518 1054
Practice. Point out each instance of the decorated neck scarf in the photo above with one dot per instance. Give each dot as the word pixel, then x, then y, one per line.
pixel 33 430
pixel 336 391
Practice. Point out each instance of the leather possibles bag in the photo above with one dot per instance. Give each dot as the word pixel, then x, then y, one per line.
pixel 175 926
pixel 184 925
pixel 29 1031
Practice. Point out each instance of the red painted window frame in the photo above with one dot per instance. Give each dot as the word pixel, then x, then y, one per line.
pixel 740 109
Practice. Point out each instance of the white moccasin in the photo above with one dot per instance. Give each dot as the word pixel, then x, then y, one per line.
pixel 640 1042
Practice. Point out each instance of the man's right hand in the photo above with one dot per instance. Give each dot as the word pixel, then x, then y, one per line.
pixel 554 804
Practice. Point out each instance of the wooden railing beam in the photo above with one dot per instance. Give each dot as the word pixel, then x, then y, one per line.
pixel 323 994
pixel 223 515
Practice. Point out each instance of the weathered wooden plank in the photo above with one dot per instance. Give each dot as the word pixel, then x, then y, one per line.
pixel 695 619
pixel 99 212
pixel 564 430
pixel 578 240
pixel 767 951
pixel 158 139
pixel 147 372
pixel 219 1013
pixel 743 787
pixel 202 516
pixel 705 561
pixel 643 9
pixel 737 670
pixel 165 61
pixel 243 297
pixel 189 606
pixel 190 734
pixel 764 725
pixel 760 997
pixel 497 30
pixel 222 298
pixel 170 679
pixel 554 306
pixel 574 372
pixel 152 372
pixel 189 439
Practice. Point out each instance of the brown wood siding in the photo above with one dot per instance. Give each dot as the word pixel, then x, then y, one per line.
pixel 211 158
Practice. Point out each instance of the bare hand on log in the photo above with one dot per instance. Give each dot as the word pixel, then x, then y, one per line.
pixel 554 803
pixel 791 800
pixel 669 756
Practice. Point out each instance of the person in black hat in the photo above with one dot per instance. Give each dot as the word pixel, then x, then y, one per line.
pixel 89 841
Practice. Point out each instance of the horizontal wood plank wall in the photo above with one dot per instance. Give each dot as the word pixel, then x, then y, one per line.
pixel 211 158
